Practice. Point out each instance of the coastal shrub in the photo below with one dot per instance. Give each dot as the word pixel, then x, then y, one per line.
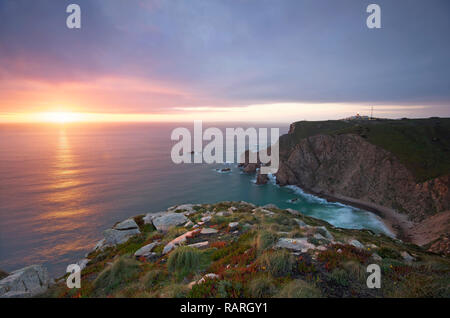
pixel 184 260
pixel 265 239
pixel 174 232
pixel 119 273
pixel 278 263
pixel 355 270
pixel 296 232
pixel 261 287
pixel 339 277
pixel 174 290
pixel 299 289
pixel 229 289
pixel 206 289
pixel 386 252
pixel 3 274
pixel 132 245
pixel 153 277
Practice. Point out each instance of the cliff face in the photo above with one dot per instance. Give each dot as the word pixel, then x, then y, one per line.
pixel 348 165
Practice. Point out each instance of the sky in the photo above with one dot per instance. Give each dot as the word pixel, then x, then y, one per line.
pixel 243 60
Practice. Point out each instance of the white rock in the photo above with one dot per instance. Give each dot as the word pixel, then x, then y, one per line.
pixel 186 209
pixel 223 213
pixel 294 212
pixel 206 218
pixel 83 263
pixel 232 225
pixel 300 244
pixel 199 244
pixel 168 248
pixel 25 282
pixel 113 236
pixel 319 236
pixel 166 221
pixel 301 223
pixel 100 245
pixel 356 244
pixel 208 230
pixel 270 206
pixel 126 225
pixel 325 231
pixel 146 249
pixel 189 223
pixel 376 257
pixel 407 257
pixel 149 217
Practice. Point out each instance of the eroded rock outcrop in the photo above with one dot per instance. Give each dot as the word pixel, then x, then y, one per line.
pixel 25 282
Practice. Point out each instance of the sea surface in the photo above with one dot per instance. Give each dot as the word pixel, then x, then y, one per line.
pixel 62 185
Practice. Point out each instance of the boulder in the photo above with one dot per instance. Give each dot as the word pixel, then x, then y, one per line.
pixel 149 217
pixel 179 240
pixel 199 244
pixel 206 218
pixel 270 206
pixel 83 263
pixel 114 237
pixel 208 230
pixel 300 244
pixel 184 208
pixel 168 220
pixel 100 245
pixel 168 248
pixel 323 230
pixel 146 249
pixel 26 282
pixel 293 212
pixel 203 279
pixel 356 244
pixel 126 225
pixel 407 257
pixel 232 225
pixel 300 223
pixel 376 257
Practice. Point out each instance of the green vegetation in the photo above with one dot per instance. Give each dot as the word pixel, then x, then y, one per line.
pixel 184 259
pixel 422 145
pixel 247 263
pixel 299 289
pixel 261 287
pixel 123 270
pixel 278 263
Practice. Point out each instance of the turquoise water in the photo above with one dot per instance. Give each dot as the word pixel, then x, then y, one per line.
pixel 61 186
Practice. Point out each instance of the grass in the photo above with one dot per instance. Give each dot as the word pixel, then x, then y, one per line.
pixel 265 239
pixel 261 287
pixel 248 266
pixel 278 263
pixel 299 288
pixel 186 260
pixel 123 270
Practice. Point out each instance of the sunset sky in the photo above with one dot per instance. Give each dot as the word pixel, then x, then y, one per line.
pixel 246 60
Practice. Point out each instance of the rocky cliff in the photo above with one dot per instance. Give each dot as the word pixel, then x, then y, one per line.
pixel 397 165
pixel 348 165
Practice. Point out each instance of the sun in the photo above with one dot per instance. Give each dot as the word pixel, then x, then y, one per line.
pixel 60 117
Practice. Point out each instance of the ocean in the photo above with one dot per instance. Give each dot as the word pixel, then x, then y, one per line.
pixel 62 185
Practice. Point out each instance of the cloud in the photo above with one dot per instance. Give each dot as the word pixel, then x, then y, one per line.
pixel 153 56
